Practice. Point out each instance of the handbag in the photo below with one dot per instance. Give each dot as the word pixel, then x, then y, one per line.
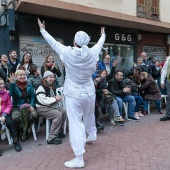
pixel 3 131
pixel 108 98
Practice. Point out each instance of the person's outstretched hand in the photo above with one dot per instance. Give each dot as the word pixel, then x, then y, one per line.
pixel 102 30
pixel 41 24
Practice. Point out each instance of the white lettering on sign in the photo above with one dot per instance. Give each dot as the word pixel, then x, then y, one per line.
pixel 39 49
pixel 156 52
pixel 123 37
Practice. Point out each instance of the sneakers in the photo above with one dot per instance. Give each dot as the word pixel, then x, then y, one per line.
pixel 74 163
pixel 112 122
pixel 119 119
pixel 136 115
pixel 132 118
pixel 160 112
pixel 17 146
pixel 165 118
pixel 140 114
pixel 55 141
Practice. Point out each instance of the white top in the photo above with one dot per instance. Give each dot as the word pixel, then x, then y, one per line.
pixel 43 99
pixel 79 69
pixel 164 70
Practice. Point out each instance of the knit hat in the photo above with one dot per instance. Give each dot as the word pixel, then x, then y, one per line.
pixel 48 73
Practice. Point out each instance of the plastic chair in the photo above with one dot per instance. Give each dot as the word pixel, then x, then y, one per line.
pixel 48 124
pixel 125 105
pixel 59 91
pixel 164 97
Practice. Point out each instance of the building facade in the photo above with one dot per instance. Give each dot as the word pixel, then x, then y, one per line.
pixel 132 27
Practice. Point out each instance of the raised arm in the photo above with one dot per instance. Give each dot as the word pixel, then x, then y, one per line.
pixel 57 46
pixel 96 49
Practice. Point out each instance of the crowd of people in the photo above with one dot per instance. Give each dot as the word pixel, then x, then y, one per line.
pixel 26 92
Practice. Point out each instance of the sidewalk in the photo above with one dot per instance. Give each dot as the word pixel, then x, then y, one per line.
pixel 143 145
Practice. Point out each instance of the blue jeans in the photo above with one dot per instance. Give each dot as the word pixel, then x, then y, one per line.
pixel 157 103
pixel 131 104
pixel 138 100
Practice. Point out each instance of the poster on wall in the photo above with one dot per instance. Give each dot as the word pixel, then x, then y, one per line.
pixel 156 52
pixel 39 49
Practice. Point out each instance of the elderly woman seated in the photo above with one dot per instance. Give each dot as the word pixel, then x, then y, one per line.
pixel 150 91
pixel 23 101
pixel 47 107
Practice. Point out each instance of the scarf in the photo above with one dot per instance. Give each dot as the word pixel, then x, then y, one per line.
pixel 22 86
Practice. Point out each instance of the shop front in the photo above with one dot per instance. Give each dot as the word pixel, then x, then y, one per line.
pixel 120 43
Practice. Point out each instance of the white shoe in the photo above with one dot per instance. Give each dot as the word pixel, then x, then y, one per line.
pixel 136 115
pixel 89 139
pixel 140 114
pixel 74 163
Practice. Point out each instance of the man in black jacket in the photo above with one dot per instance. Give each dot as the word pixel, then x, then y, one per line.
pixel 117 87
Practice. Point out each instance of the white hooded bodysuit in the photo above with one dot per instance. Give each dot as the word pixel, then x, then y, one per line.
pixel 79 91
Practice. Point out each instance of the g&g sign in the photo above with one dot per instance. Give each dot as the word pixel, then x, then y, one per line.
pixel 126 38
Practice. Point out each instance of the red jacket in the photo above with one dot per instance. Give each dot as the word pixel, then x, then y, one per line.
pixel 5 103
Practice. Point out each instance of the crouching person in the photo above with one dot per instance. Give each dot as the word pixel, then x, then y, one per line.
pixel 47 107
pixel 23 101
pixel 5 117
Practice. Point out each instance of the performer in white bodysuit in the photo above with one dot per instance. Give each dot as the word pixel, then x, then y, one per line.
pixel 80 63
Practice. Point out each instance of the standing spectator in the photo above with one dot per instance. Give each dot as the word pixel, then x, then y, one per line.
pixel 5 117
pixel 22 95
pixel 166 74
pixel 34 77
pixel 47 107
pixel 13 61
pixel 119 89
pixel 105 64
pixel 156 70
pixel 148 62
pixel 50 65
pixel 26 63
pixel 5 69
pixel 151 92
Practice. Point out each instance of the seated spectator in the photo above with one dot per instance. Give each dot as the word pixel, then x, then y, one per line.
pixel 156 70
pixel 50 65
pixel 34 77
pixel 23 100
pixel 101 89
pixel 118 88
pixel 151 92
pixel 47 107
pixel 5 117
pixel 133 81
pixel 26 63
pixel 5 70
pixel 105 64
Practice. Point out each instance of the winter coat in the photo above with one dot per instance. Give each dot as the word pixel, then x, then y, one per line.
pixel 18 98
pixel 150 88
pixel 13 66
pixel 113 87
pixel 34 81
pixel 5 103
pixel 55 70
pixel 102 65
pixel 156 73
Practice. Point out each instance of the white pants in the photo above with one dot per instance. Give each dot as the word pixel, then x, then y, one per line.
pixel 76 110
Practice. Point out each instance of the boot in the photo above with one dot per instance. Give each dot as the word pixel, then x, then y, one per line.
pixel 145 112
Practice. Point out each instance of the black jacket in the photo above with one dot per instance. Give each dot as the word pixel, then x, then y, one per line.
pixel 113 87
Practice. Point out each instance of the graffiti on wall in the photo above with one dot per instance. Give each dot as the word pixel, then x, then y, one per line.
pixel 39 49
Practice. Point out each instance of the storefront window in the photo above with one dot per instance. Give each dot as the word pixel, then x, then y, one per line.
pixel 124 54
